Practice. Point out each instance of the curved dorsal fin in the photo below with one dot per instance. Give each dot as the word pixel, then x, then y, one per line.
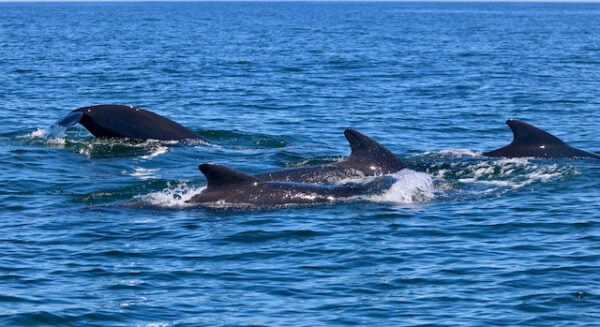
pixel 527 134
pixel 367 150
pixel 218 175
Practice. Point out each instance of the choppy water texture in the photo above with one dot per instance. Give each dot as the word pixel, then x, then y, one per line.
pixel 97 232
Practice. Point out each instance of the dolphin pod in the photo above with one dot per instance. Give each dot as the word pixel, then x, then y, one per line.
pixel 119 121
pixel 313 184
pixel 530 141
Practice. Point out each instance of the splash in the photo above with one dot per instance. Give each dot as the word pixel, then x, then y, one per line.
pixel 48 136
pixel 38 133
pixel 409 187
pixel 55 131
pixel 174 196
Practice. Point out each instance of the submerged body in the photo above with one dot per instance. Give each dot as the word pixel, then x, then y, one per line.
pixel 231 187
pixel 530 141
pixel 119 121
pixel 368 158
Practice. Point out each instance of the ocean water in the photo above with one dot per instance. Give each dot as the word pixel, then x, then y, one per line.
pixel 97 232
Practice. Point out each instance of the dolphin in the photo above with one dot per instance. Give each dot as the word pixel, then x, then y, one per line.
pixel 368 158
pixel 119 121
pixel 226 186
pixel 530 141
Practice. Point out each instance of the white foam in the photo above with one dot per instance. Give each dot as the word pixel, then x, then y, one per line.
pixel 410 187
pixel 511 173
pixel 456 153
pixel 172 197
pixel 39 133
pixel 513 160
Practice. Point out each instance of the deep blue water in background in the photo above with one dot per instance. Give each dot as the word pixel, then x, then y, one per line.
pixel 97 233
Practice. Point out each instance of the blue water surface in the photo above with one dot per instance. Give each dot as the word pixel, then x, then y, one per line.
pixel 97 232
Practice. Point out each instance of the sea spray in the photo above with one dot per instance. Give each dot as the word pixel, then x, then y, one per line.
pixel 410 187
pixel 174 196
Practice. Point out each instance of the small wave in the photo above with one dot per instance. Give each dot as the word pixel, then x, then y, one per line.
pixel 257 236
pixel 454 153
pixel 144 174
pixel 243 140
pixel 156 152
pixel 171 197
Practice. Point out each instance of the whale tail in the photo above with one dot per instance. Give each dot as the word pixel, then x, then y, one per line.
pixel 70 119
pixel 120 121
pixel 368 151
pixel 60 126
pixel 219 176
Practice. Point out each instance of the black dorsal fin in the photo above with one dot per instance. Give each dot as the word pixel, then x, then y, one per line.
pixel 526 134
pixel 367 150
pixel 218 175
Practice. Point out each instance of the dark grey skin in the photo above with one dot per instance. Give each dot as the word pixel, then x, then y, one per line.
pixel 368 158
pixel 530 141
pixel 119 121
pixel 232 188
